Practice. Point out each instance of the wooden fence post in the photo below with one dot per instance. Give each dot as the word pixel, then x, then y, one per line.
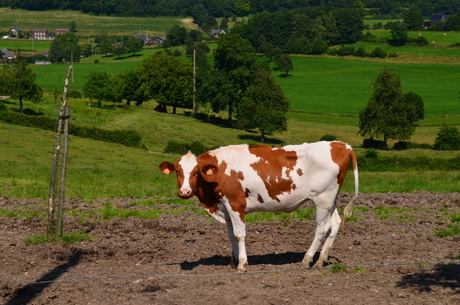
pixel 55 224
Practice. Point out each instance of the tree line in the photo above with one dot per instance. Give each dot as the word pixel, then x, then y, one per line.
pixel 200 9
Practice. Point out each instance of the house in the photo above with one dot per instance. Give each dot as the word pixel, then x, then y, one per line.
pixel 14 32
pixel 7 55
pixel 145 38
pixel 217 33
pixel 435 19
pixel 43 62
pixel 158 40
pixel 40 34
pixel 60 31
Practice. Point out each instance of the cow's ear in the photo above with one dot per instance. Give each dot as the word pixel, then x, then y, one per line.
pixel 209 170
pixel 167 167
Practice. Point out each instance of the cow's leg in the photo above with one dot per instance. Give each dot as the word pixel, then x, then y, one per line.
pixel 324 209
pixel 231 236
pixel 335 225
pixel 237 234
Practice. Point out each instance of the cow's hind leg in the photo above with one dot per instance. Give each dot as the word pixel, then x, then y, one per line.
pixel 335 225
pixel 325 207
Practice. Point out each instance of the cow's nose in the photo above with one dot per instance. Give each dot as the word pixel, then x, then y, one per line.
pixel 185 193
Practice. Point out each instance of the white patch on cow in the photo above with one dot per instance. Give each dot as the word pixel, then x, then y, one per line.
pixel 237 157
pixel 187 163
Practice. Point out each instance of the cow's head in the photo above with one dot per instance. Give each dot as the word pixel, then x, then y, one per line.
pixel 188 170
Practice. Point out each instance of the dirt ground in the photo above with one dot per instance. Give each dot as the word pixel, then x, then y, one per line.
pixel 183 258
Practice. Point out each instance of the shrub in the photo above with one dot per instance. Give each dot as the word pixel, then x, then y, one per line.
pixel 328 137
pixel 371 153
pixel 422 41
pixel 448 139
pixel 174 147
pixel 379 52
pixel 72 93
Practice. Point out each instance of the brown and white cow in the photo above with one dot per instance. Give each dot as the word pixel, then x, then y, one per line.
pixel 233 181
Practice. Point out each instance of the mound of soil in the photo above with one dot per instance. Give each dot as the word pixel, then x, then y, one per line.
pixel 391 253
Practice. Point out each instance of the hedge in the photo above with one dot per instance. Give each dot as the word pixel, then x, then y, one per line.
pixel 122 136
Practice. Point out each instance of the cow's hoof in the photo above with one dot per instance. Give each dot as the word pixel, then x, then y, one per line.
pixel 307 261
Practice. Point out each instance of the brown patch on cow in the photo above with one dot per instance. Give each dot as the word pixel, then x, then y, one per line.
pixel 341 156
pixel 299 172
pixel 247 192
pixel 260 199
pixel 270 168
pixel 222 183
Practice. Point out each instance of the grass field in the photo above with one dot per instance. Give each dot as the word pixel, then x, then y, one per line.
pixel 87 25
pixel 343 86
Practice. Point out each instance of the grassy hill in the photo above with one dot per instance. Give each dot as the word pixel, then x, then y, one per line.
pixel 88 25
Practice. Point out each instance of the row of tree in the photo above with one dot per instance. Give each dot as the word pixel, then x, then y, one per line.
pixel 237 83
pixel 306 31
pixel 227 8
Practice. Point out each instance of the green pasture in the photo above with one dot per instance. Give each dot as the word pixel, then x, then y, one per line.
pixel 369 47
pixel 87 25
pixel 317 84
pixel 343 86
pixel 442 38
pixel 25 45
pixel 105 170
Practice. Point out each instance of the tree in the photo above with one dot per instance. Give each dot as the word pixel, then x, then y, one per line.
pixel 284 63
pixel 86 50
pixel 73 26
pixel 133 90
pixel 389 113
pixel 234 58
pixel 350 24
pixel 119 50
pixel 19 82
pixel 264 105
pixel 398 34
pixel 97 87
pixel 177 35
pixel 167 79
pixel 65 47
pixel 134 45
pixel 106 46
pixel 413 20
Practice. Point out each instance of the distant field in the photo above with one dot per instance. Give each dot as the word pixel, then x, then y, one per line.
pixel 25 45
pixel 86 24
pixel 320 85
pixel 343 86
pixel 437 37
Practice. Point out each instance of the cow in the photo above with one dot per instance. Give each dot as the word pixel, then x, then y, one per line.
pixel 235 180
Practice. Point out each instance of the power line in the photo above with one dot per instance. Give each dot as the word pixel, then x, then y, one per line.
pixel 223 274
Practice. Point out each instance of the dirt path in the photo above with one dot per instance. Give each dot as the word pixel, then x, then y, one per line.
pixel 136 261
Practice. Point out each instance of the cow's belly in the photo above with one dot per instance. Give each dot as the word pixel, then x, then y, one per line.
pixel 287 204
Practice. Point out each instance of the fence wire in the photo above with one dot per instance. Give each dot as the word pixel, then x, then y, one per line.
pixel 224 274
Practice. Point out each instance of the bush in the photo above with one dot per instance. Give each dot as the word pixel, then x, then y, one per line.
pixel 72 93
pixel 379 52
pixel 328 137
pixel 174 147
pixel 372 153
pixel 448 139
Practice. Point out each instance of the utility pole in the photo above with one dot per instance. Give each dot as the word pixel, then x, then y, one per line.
pixel 194 81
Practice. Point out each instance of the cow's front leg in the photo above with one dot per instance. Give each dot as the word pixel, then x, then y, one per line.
pixel 237 235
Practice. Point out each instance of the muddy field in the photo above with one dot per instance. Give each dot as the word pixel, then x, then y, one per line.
pixel 183 258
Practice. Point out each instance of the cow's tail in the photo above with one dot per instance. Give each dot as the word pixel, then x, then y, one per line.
pixel 349 208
